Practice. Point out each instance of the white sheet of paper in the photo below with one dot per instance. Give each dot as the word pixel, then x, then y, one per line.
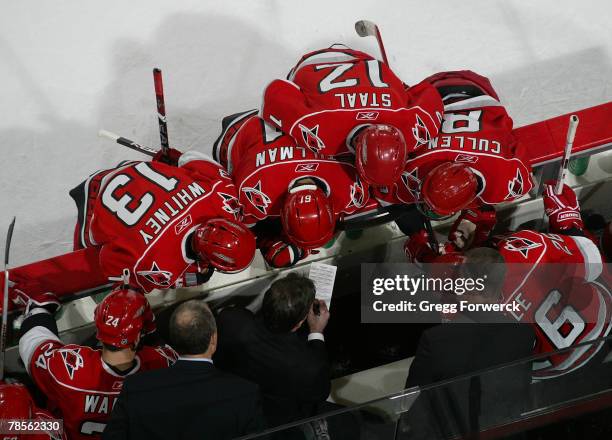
pixel 323 276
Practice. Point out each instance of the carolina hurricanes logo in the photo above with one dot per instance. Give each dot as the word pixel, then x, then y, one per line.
pixel 311 138
pixel 156 276
pixel 521 245
pixel 231 204
pixel 72 360
pixel 183 224
pixel 420 132
pixel 257 198
pixel 466 158
pixel 367 116
pixel 357 194
pixel 515 186
pixel 411 181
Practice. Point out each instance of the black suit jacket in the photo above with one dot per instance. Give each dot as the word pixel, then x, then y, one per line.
pixel 467 405
pixel 292 373
pixel 188 400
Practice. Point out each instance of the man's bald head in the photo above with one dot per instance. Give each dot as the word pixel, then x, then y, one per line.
pixel 192 326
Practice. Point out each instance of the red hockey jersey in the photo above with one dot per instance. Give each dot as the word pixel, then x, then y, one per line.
pixel 333 92
pixel 477 132
pixel 142 213
pixel 264 163
pixel 80 387
pixel 557 282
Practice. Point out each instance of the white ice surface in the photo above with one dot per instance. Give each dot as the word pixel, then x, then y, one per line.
pixel 70 67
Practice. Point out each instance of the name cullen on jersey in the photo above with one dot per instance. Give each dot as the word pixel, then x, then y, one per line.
pixel 171 208
pixel 465 143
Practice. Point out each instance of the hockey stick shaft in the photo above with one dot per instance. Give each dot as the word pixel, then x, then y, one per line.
pixel 5 297
pixel 161 110
pixel 567 152
pixel 366 28
pixel 127 143
pixel 381 46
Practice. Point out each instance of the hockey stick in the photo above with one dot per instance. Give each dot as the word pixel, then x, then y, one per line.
pixel 571 134
pixel 127 143
pixel 366 28
pixel 433 242
pixel 567 153
pixel 9 237
pixel 161 110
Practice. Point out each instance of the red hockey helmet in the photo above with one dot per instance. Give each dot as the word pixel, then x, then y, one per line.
pixel 227 246
pixel 461 84
pixel 307 216
pixel 449 187
pixel 122 317
pixel 380 154
pixel 15 402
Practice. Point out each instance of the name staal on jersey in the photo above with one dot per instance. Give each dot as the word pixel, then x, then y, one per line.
pixel 331 93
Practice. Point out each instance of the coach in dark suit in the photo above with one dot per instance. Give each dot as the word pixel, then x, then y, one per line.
pixel 192 399
pixel 291 369
pixel 469 343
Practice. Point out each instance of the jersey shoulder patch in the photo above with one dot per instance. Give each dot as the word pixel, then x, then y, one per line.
pixel 75 364
pixel 157 357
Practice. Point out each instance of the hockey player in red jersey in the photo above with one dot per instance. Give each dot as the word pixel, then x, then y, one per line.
pixel 171 226
pixel 292 196
pixel 81 383
pixel 338 101
pixel 471 166
pixel 17 404
pixel 556 278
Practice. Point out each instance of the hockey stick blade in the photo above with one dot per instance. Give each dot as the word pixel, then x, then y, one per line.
pixel 365 28
pixel 3 329
pixel 127 143
pixel 9 237
pixel 161 109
